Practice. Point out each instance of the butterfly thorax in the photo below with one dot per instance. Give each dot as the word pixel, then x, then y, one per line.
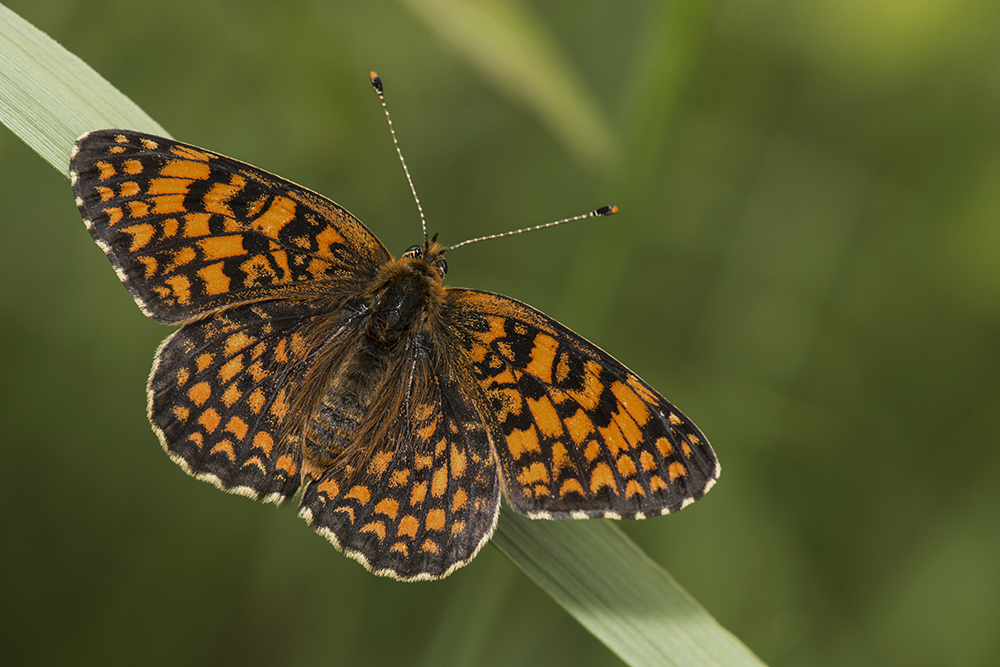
pixel 397 318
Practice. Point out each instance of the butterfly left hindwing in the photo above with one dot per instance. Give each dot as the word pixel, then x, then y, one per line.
pixel 220 396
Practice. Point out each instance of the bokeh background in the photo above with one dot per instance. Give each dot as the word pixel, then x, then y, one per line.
pixel 807 262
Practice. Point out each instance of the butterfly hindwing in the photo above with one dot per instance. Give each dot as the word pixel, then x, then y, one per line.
pixel 576 433
pixel 219 396
pixel 423 497
pixel 190 231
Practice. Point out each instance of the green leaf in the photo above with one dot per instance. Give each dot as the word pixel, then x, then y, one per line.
pixel 48 97
pixel 514 52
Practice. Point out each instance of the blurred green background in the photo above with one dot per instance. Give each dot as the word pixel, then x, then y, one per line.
pixel 807 262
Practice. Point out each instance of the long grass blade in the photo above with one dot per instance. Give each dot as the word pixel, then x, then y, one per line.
pixel 49 97
pixel 615 591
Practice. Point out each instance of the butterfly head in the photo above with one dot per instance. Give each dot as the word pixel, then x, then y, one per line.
pixel 431 253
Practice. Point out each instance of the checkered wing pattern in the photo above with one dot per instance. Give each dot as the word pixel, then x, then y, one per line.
pixel 190 231
pixel 423 497
pixel 219 396
pixel 576 434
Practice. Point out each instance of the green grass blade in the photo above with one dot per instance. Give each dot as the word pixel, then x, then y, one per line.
pixel 504 41
pixel 615 591
pixel 49 97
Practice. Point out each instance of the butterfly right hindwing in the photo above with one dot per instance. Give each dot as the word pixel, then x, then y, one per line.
pixel 419 496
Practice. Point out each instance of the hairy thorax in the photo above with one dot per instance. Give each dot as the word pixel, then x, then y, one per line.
pixel 359 388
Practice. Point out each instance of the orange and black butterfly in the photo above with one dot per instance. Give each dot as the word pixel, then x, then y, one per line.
pixel 310 360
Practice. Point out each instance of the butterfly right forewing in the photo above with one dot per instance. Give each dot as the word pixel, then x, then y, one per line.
pixel 576 433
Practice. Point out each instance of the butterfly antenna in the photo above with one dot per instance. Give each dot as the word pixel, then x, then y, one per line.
pixel 603 211
pixel 377 83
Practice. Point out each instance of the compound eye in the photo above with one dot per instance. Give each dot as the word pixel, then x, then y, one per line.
pixel 413 252
pixel 442 267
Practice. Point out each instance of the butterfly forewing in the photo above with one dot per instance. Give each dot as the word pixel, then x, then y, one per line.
pixel 190 231
pixel 576 433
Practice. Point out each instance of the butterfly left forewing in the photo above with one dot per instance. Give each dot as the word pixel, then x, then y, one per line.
pixel 190 231
pixel 576 433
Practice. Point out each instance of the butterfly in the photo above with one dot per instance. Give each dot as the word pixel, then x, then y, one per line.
pixel 310 361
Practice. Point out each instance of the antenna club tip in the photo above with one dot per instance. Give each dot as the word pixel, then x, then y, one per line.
pixel 376 80
pixel 606 210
